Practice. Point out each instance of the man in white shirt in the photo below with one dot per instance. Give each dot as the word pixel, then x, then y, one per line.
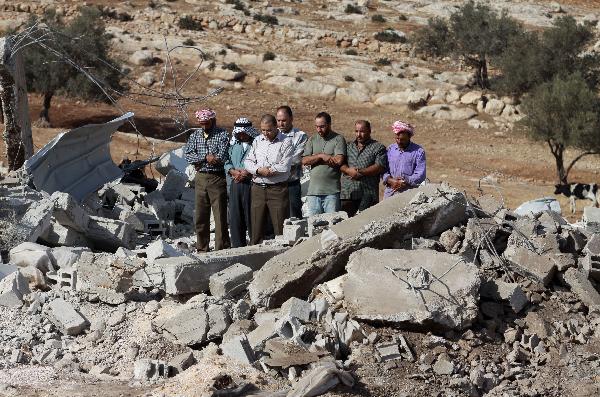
pixel 269 162
pixel 285 120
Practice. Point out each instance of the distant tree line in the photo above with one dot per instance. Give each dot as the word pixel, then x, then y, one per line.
pixel 551 71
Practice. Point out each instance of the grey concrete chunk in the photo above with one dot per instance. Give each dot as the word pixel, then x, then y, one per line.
pixel 591 219
pixel 62 314
pixel 579 283
pixel 379 287
pixel 261 334
pixel 500 290
pixel 184 275
pixel 69 213
pixel 238 348
pixel 173 185
pixel 218 321
pixel 186 325
pixel 66 256
pixel 161 249
pixel 31 254
pixel 231 281
pixel 591 265
pixel 147 369
pixel 539 267
pixel 12 288
pixel 110 234
pixel 182 361
pixel 6 269
pixel 593 245
pixel 297 308
pixel 296 271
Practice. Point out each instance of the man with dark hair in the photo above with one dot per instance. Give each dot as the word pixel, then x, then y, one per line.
pixel 206 149
pixel 367 160
pixel 325 152
pixel 285 120
pixel 240 220
pixel 268 161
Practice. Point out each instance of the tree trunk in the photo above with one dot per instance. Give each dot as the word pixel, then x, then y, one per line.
pixel 15 151
pixel 45 113
pixel 485 82
pixel 560 165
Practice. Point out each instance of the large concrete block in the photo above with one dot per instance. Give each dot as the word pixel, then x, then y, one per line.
pixel 539 267
pixel 591 265
pixel 254 256
pixel 184 274
pixel 31 254
pixel 57 235
pixel 579 283
pixel 593 245
pixel 186 325
pixel 591 219
pixel 231 281
pixel 66 256
pixel 106 275
pixel 37 219
pixel 238 348
pixel 64 316
pixel 109 234
pixel 173 185
pixel 423 212
pixel 68 212
pixel 500 290
pixel 12 288
pixel 399 287
pixel 159 206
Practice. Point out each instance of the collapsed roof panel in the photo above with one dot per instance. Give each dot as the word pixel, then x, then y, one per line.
pixel 77 161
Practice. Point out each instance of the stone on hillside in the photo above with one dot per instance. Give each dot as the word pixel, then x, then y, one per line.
pixel 447 112
pixel 471 98
pixel 373 292
pixel 307 87
pixel 494 107
pixel 142 58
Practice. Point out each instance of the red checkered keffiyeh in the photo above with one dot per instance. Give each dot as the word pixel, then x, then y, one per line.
pixel 400 126
pixel 205 114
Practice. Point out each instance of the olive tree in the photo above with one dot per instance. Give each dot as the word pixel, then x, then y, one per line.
pixel 563 113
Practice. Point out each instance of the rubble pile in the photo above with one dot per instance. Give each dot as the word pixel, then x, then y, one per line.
pixel 430 291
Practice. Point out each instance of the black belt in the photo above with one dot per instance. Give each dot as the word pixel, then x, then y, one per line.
pixel 222 173
pixel 266 185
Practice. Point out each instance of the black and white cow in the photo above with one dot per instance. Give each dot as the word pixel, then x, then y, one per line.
pixel 579 191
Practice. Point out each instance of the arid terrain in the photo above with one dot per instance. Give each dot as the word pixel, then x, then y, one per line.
pixel 311 69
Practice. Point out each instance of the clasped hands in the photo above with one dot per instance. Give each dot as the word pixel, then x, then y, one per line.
pixel 212 159
pixel 397 183
pixel 331 161
pixel 239 175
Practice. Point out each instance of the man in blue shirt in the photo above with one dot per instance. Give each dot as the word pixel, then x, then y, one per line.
pixel 207 150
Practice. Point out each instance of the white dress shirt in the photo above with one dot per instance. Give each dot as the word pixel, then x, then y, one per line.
pixel 275 155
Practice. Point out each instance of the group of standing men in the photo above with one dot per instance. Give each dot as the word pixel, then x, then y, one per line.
pixel 265 167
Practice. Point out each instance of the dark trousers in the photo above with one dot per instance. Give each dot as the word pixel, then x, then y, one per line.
pixel 350 206
pixel 239 212
pixel 275 200
pixel 295 199
pixel 211 192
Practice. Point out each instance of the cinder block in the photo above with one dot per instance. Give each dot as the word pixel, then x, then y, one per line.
pixel 62 314
pixel 147 369
pixel 65 278
pixel 591 264
pixel 231 281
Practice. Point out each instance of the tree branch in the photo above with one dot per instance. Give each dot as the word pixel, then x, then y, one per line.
pixel 576 159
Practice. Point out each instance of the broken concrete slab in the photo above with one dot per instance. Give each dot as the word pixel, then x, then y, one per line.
pixel 297 308
pixel 500 290
pixel 398 287
pixel 161 249
pixel 64 316
pixel 31 254
pixel 36 220
pixel 320 379
pixel 593 245
pixel 12 288
pixel 106 276
pixel 254 256
pixel 238 348
pixel 109 234
pixel 69 213
pixel 184 274
pixel 173 185
pixel 78 161
pixel 591 219
pixel 231 281
pixel 59 235
pixel 422 212
pixel 182 361
pixel 186 325
pixel 579 283
pixel 539 267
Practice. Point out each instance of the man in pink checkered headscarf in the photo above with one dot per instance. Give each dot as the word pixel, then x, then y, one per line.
pixel 406 161
pixel 207 149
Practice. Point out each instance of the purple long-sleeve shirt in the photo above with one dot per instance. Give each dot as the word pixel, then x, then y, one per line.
pixel 408 164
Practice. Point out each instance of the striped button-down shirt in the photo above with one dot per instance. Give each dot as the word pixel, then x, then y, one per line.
pixel 299 139
pixel 275 155
pixel 198 147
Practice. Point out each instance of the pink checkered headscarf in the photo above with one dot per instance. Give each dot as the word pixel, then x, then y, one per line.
pixel 205 114
pixel 401 126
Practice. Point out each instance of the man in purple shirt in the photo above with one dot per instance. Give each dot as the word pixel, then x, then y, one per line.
pixel 406 161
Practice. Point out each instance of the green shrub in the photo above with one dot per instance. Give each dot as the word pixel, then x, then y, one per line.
pixel 378 18
pixel 189 42
pixel 189 23
pixel 268 56
pixel 268 19
pixel 352 9
pixel 383 62
pixel 389 36
pixel 348 78
pixel 351 51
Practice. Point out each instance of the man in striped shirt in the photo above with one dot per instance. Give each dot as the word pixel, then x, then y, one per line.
pixel 269 162
pixel 206 149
